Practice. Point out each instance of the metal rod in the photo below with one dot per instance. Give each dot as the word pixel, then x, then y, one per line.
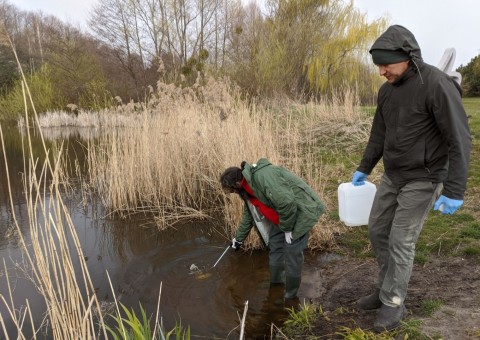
pixel 225 251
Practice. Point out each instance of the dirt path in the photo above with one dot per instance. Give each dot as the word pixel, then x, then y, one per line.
pixel 455 281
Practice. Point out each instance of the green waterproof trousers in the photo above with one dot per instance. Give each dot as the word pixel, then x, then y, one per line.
pixel 395 222
pixel 286 261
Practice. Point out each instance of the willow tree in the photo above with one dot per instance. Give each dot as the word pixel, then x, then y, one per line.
pixel 312 47
pixel 341 57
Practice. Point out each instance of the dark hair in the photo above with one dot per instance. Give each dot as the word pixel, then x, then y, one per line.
pixel 231 176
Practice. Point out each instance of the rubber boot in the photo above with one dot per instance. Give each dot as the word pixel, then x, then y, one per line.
pixel 292 285
pixel 389 318
pixel 277 275
pixel 371 301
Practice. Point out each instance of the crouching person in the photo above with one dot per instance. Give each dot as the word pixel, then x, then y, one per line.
pixel 284 208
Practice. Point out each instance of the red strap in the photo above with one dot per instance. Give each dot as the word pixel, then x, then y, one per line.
pixel 268 212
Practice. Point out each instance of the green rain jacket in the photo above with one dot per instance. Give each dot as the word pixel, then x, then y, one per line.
pixel 296 203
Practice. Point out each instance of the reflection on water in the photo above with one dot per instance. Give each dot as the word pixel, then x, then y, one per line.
pixel 139 259
pixel 59 133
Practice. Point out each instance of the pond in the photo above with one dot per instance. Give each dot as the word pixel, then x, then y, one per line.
pixel 139 259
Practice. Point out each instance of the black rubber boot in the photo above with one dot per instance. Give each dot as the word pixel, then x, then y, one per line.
pixel 292 284
pixel 389 318
pixel 371 301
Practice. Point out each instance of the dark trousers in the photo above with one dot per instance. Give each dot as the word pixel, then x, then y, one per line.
pixel 286 260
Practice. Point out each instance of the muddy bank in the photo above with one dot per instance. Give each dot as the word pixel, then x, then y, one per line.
pixel 337 283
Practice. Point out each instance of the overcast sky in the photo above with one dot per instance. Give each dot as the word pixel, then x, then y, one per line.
pixel 437 24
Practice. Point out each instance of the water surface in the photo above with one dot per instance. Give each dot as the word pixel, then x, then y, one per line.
pixel 139 259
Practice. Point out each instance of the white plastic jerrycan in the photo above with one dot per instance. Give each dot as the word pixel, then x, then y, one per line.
pixel 355 203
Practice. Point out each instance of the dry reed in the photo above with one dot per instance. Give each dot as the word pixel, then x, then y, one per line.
pixel 54 254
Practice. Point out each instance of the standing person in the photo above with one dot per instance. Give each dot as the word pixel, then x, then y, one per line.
pixel 288 203
pixel 420 129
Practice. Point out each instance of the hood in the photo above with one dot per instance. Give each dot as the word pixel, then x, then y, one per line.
pixel 250 169
pixel 398 38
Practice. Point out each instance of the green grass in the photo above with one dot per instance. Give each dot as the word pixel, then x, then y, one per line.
pixel 133 327
pixel 429 307
pixel 370 110
pixel 472 107
pixel 409 329
pixel 448 235
pixel 355 242
pixel 300 321
pixel 471 231
pixel 360 334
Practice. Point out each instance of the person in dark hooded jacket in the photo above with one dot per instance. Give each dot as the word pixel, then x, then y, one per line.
pixel 287 204
pixel 420 129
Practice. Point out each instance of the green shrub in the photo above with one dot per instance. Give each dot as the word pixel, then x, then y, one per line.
pixel 44 95
pixel 300 321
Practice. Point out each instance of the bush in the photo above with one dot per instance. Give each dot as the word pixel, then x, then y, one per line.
pixel 44 95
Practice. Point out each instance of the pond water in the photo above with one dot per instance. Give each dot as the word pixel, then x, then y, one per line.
pixel 139 259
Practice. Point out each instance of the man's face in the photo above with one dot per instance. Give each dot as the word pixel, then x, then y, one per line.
pixel 393 71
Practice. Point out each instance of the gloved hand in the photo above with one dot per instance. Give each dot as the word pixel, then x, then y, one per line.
pixel 447 205
pixel 288 237
pixel 359 178
pixel 236 244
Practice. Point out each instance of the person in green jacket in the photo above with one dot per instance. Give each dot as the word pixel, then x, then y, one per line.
pixel 286 203
pixel 420 129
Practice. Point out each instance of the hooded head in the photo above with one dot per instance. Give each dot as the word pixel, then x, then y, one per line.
pixel 395 45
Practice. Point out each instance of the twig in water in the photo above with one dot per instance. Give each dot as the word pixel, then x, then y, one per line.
pixel 242 329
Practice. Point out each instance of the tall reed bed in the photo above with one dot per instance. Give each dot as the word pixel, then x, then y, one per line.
pixel 169 163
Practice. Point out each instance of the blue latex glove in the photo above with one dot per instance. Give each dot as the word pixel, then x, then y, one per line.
pixel 359 178
pixel 447 205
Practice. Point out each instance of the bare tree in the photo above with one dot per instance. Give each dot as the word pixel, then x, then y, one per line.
pixel 115 26
pixel 183 34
